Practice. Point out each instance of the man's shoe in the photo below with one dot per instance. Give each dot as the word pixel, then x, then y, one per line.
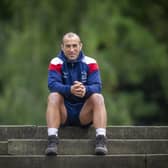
pixel 101 148
pixel 52 148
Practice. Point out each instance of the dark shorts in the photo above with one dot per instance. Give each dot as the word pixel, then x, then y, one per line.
pixel 73 111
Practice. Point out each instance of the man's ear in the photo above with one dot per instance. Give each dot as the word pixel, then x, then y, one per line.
pixel 81 45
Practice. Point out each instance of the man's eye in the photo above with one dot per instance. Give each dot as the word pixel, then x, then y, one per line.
pixel 69 46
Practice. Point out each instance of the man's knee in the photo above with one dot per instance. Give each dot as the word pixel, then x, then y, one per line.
pixel 97 98
pixel 54 98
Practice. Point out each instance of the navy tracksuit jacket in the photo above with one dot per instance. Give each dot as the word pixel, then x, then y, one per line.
pixel 62 73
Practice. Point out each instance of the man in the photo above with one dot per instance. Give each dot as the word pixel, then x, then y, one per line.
pixel 75 99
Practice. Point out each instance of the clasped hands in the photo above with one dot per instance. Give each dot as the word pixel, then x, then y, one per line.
pixel 78 89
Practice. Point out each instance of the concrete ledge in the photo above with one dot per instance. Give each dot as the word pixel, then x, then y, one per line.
pixel 83 161
pixel 84 147
pixel 129 147
pixel 3 147
pixel 113 132
pixel 157 161
pixel 89 161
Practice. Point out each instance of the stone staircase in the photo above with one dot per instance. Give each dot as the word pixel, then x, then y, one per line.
pixel 23 146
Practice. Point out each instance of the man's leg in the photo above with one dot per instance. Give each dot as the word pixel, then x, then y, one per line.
pixel 55 115
pixel 94 110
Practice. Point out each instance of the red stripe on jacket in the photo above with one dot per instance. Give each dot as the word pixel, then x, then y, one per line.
pixel 93 67
pixel 54 67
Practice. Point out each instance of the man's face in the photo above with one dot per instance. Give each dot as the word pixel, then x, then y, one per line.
pixel 71 47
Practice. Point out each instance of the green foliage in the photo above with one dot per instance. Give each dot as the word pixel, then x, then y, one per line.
pixel 127 40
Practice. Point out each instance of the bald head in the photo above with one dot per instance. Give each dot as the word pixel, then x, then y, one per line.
pixel 70 35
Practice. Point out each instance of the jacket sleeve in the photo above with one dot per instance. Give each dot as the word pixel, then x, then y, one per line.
pixel 55 83
pixel 94 84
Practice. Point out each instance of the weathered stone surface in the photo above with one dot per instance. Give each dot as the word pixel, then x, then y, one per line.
pixel 129 147
pixel 113 132
pixel 3 147
pixel 157 161
pixel 86 147
pixel 89 161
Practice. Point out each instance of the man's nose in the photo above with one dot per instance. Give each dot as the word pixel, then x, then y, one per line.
pixel 71 48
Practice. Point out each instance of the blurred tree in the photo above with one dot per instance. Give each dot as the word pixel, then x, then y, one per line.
pixel 135 60
pixel 128 38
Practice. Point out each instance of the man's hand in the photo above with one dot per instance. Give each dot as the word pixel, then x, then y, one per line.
pixel 78 89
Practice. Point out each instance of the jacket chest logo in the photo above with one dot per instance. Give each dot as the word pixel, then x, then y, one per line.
pixel 83 76
pixel 65 75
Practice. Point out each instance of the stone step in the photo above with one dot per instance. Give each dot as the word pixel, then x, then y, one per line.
pixel 113 132
pixel 3 147
pixel 83 161
pixel 86 146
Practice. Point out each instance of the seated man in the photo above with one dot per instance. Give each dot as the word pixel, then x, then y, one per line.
pixel 75 99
